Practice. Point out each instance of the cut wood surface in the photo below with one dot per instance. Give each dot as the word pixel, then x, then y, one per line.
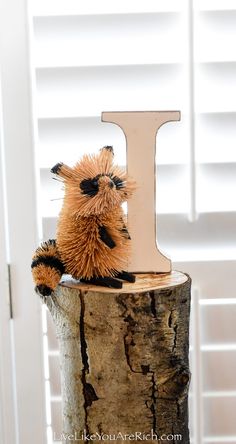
pixel 124 358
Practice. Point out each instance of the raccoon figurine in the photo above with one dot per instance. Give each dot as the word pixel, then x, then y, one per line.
pixel 92 242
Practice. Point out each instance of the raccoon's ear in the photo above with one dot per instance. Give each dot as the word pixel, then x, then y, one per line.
pixel 107 151
pixel 106 157
pixel 62 170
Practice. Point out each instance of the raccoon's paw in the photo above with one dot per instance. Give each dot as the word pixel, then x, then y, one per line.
pixel 111 282
pixel 126 276
pixel 103 282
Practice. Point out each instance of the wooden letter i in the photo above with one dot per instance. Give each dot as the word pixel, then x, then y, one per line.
pixel 140 129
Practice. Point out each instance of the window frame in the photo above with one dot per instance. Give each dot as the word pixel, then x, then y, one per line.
pixel 23 334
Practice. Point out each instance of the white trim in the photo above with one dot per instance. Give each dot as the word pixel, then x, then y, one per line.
pixel 220 439
pixel 219 394
pixel 196 369
pixel 192 135
pixel 218 301
pixel 7 401
pixel 22 219
pixel 218 347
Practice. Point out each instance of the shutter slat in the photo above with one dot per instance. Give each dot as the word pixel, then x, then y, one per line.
pixel 67 139
pixel 220 415
pixel 214 365
pixel 70 7
pixel 225 331
pixel 216 34
pixel 207 275
pixel 216 185
pixel 214 5
pixel 108 39
pixel 85 91
pixel 216 135
pixel 216 86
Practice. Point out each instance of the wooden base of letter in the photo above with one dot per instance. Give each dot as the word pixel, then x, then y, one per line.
pixel 124 358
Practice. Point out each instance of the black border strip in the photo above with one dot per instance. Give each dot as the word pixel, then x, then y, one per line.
pixel 49 261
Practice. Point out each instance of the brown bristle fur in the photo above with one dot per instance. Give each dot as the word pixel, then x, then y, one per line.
pixel 47 276
pixel 84 253
pixel 48 248
pixel 43 266
pixel 95 189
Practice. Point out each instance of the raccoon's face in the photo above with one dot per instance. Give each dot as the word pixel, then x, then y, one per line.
pixel 95 186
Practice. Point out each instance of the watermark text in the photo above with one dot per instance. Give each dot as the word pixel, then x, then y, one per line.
pixel 136 436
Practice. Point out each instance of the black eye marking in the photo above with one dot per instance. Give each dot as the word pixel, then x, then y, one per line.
pixel 94 182
pixel 118 182
pixel 89 186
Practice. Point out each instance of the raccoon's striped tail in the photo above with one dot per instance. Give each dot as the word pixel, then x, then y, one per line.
pixel 47 268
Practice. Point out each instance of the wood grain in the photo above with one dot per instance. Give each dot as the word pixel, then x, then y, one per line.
pixel 124 356
pixel 144 282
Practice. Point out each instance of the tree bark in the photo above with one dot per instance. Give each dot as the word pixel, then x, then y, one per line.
pixel 124 358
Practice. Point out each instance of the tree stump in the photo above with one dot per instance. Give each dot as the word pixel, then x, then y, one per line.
pixel 124 358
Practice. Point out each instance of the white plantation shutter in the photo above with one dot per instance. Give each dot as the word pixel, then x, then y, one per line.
pixel 90 57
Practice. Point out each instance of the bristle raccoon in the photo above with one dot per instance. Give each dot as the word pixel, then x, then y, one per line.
pixel 92 242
